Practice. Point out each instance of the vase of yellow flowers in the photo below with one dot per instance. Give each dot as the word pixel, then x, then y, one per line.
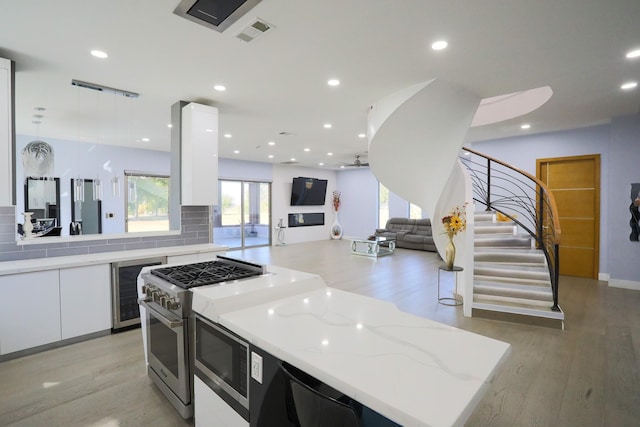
pixel 454 223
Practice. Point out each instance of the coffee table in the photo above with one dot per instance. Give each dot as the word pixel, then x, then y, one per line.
pixel 373 246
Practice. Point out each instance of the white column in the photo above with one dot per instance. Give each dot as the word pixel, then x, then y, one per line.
pixel 6 133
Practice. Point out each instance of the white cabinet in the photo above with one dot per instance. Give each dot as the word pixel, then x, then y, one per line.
pixel 199 155
pixel 85 300
pixel 211 410
pixel 30 314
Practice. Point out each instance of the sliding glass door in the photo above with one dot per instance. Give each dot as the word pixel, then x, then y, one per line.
pixel 243 216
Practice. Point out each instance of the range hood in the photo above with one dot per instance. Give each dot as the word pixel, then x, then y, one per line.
pixel 216 14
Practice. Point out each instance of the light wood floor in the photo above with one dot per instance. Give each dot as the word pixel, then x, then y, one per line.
pixel 586 375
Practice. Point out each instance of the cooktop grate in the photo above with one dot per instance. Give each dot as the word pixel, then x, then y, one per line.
pixel 203 273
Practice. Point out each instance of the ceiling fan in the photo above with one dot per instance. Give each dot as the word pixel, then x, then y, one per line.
pixel 358 163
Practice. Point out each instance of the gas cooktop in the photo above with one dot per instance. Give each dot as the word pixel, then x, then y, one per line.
pixel 209 272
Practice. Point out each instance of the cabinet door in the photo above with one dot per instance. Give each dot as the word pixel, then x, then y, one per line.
pixel 211 410
pixel 199 155
pixel 30 314
pixel 85 300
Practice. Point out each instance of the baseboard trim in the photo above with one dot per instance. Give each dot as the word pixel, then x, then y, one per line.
pixel 626 284
pixel 50 346
pixel 603 277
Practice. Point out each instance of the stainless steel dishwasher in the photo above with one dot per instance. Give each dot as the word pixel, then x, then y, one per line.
pixel 124 292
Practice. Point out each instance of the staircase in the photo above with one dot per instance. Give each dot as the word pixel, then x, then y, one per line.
pixel 511 277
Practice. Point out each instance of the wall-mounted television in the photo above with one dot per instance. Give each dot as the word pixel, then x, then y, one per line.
pixel 308 191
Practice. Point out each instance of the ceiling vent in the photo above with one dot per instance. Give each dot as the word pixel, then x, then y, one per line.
pixel 215 14
pixel 254 30
pixel 290 162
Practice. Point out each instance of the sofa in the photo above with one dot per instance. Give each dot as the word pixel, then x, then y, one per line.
pixel 409 233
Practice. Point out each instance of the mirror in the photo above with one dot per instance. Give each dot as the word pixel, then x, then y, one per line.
pixel 86 213
pixel 42 197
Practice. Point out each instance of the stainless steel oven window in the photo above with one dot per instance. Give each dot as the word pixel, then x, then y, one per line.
pixel 164 345
pixel 169 358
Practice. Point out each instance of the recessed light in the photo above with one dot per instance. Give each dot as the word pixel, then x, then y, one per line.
pixel 333 82
pixel 227 135
pixel 629 85
pixel 220 88
pixel 208 130
pixel 293 159
pixel 633 54
pixel 320 164
pixel 270 156
pixel 236 151
pixel 307 150
pixel 327 125
pixel 341 166
pixel 271 143
pixel 525 126
pixel 145 140
pixel 169 125
pixel 362 135
pixel 99 54
pixel 439 45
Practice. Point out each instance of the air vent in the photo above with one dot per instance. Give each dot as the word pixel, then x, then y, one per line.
pixel 215 14
pixel 290 162
pixel 255 30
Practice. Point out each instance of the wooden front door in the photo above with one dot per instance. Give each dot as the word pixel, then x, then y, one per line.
pixel 575 184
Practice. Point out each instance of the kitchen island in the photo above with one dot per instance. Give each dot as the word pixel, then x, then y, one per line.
pixel 414 371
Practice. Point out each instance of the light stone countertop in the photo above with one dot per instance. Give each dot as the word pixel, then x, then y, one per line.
pixel 414 371
pixel 53 263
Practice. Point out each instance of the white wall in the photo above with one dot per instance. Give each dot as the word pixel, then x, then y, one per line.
pixel 359 202
pixel 281 199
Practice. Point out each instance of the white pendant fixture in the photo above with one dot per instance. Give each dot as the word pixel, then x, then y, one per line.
pixel 79 190
pixel 115 186
pixel 97 189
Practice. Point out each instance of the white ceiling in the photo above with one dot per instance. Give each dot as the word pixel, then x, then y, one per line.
pixel 278 83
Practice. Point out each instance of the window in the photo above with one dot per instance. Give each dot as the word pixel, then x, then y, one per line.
pixel 383 205
pixel 415 212
pixel 147 199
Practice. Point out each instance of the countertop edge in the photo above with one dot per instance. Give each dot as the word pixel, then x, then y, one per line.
pixel 53 263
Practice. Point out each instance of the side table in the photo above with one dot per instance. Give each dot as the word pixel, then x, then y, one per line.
pixel 455 299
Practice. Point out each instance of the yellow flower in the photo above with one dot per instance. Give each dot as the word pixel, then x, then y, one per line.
pixel 455 222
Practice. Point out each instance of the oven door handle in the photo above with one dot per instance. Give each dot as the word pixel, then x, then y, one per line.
pixel 166 321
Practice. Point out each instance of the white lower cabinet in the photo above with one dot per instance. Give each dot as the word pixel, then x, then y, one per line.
pixel 30 315
pixel 210 410
pixel 85 300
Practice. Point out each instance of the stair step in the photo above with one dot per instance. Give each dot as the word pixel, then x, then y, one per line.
pixel 483 216
pixel 502 241
pixel 494 229
pixel 529 271
pixel 525 257
pixel 518 313
pixel 514 291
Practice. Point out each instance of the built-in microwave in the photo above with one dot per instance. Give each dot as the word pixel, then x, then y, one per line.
pixel 222 362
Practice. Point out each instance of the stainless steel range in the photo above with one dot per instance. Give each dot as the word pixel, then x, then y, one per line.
pixel 169 323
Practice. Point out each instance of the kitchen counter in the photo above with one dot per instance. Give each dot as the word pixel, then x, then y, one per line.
pixel 414 371
pixel 52 263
